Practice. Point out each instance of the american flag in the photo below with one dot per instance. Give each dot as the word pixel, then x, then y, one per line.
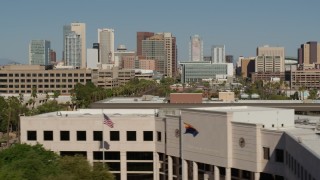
pixel 107 121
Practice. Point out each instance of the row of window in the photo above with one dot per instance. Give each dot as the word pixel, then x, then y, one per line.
pixel 97 135
pixel 43 80
pixel 115 155
pixel 296 168
pixel 46 75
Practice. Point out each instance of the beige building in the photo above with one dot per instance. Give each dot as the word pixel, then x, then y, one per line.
pixel 305 78
pixel 273 58
pixel 226 96
pixel 147 64
pixel 227 143
pixel 21 78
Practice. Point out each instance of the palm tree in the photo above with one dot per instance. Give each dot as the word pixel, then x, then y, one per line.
pixel 301 90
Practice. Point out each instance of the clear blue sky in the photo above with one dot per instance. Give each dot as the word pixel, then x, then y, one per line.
pixel 241 25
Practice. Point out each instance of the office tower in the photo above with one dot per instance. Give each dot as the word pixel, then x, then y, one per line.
pixel 218 54
pixel 123 54
pixel 73 50
pixel 309 53
pixel 142 36
pixel 96 46
pixel 53 56
pixel 106 45
pixel 39 52
pixel 163 49
pixel 92 58
pixel 229 59
pixel 247 67
pixel 69 31
pixel 195 48
pixel 270 59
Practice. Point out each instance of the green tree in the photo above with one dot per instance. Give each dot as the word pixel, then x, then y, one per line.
pixel 56 94
pixel 313 94
pixel 27 162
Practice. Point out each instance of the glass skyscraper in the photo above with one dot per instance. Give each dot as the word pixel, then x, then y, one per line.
pixel 39 52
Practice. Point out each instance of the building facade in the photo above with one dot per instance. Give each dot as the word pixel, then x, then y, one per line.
pixel 218 54
pixel 21 78
pixel 308 79
pixel 309 53
pixel 92 58
pixel 140 37
pixel 73 50
pixel 78 31
pixel 268 64
pixel 247 67
pixel 163 49
pixel 196 48
pixel 106 45
pixel 173 144
pixel 197 71
pixel 39 52
pixel 276 53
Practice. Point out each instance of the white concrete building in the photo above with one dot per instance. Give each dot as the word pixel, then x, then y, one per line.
pixel 196 143
pixel 92 58
pixel 218 53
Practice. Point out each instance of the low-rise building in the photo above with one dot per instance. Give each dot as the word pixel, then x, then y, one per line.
pixel 196 143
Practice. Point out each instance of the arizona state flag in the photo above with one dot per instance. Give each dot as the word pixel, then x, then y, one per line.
pixel 190 129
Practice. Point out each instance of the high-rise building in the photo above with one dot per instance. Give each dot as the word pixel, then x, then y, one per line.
pixel 39 52
pixel 218 54
pixel 247 67
pixel 96 46
pixel 309 53
pixel 122 54
pixel 163 49
pixel 78 29
pixel 142 36
pixel 272 59
pixel 53 56
pixel 229 59
pixel 73 50
pixel 92 58
pixel 106 45
pixel 195 48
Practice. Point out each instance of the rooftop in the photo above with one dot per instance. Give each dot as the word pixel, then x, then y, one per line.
pixel 99 112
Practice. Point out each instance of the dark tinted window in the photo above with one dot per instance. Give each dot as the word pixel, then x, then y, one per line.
pixel 114 135
pixel 81 135
pixel 64 135
pixel 48 135
pixel 32 135
pixel 131 136
pixel 97 135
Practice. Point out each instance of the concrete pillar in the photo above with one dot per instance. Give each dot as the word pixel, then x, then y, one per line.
pixel 216 173
pixel 256 176
pixel 184 169
pixel 228 174
pixel 170 171
pixel 156 166
pixel 123 164
pixel 195 170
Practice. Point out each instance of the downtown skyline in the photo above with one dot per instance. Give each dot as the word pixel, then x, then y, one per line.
pixel 240 26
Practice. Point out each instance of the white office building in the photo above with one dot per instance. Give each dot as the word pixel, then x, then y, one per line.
pixel 92 58
pixel 218 54
pixel 197 143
